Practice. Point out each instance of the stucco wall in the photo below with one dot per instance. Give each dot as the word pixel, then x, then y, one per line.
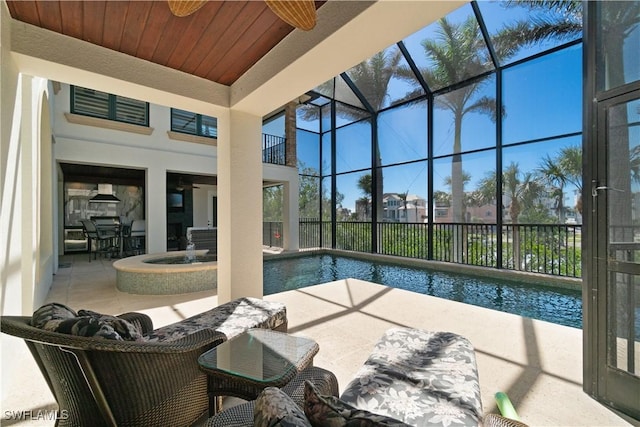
pixel 26 193
pixel 155 153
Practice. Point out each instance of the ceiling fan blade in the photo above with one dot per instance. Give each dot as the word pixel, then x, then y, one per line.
pixel 182 8
pixel 297 13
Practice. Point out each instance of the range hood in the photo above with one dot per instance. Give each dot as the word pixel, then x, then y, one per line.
pixel 105 195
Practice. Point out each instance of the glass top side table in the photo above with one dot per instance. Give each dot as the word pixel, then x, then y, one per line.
pixel 259 358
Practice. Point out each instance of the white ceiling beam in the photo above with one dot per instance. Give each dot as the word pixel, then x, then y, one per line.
pixel 347 33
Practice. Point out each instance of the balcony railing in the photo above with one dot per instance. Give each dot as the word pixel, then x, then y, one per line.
pixel 274 149
pixel 553 249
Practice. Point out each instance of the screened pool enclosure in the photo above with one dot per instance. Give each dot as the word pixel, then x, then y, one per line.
pixel 399 154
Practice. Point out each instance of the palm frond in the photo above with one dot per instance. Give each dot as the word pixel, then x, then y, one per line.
pixel 484 105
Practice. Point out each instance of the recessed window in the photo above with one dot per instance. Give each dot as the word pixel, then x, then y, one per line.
pixel 90 102
pixel 193 124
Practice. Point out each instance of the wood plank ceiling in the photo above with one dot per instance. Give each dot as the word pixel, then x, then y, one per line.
pixel 219 42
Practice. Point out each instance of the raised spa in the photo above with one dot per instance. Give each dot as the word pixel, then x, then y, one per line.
pixel 166 273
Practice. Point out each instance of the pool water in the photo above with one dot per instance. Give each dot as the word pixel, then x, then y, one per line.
pixel 535 300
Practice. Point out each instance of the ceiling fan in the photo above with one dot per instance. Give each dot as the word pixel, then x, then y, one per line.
pixel 297 13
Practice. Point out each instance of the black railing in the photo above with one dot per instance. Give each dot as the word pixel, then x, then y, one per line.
pixel 272 234
pixel 309 233
pixel 543 248
pixel 353 236
pixel 392 238
pixel 474 244
pixel 274 149
pixel 553 249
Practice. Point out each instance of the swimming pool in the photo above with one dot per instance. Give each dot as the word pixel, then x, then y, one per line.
pixel 552 304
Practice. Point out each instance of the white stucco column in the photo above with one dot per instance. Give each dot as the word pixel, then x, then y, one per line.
pixel 240 208
pixel 156 215
pixel 28 159
pixel 291 215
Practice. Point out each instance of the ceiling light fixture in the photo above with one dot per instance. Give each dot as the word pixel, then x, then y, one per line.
pixel 297 13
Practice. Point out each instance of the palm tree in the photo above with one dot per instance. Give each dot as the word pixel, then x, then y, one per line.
pixel 520 190
pixel 551 172
pixel 458 53
pixel 570 161
pixel 372 78
pixel 466 178
pixel 565 168
pixel 563 24
pixel 403 197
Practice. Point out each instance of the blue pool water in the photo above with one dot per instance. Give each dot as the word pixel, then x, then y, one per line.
pixel 557 305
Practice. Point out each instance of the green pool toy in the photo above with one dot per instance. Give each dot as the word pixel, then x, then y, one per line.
pixel 505 406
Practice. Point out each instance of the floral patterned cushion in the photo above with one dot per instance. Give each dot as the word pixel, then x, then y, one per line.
pixel 231 319
pixel 58 317
pixel 329 411
pixel 419 377
pixel 274 408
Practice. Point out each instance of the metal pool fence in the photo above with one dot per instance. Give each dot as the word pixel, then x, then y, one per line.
pixel 553 249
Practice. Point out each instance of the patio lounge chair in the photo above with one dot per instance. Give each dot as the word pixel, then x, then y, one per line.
pixel 412 377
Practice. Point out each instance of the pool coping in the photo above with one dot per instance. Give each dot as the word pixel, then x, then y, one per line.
pixel 137 264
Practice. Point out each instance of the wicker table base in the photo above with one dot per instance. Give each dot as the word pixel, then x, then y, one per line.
pixel 259 358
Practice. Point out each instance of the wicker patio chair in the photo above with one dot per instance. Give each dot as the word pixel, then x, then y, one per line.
pixel 100 382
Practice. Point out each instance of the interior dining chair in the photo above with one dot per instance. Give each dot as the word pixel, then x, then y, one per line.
pixel 104 239
pixel 135 240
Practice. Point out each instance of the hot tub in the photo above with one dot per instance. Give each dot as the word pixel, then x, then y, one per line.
pixel 166 273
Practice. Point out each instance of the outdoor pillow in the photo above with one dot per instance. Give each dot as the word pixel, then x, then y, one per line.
pixel 50 315
pixel 329 411
pixel 124 328
pixel 274 408
pixel 56 317
pixel 87 326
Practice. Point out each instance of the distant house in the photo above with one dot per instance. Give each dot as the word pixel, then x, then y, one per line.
pixel 397 209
